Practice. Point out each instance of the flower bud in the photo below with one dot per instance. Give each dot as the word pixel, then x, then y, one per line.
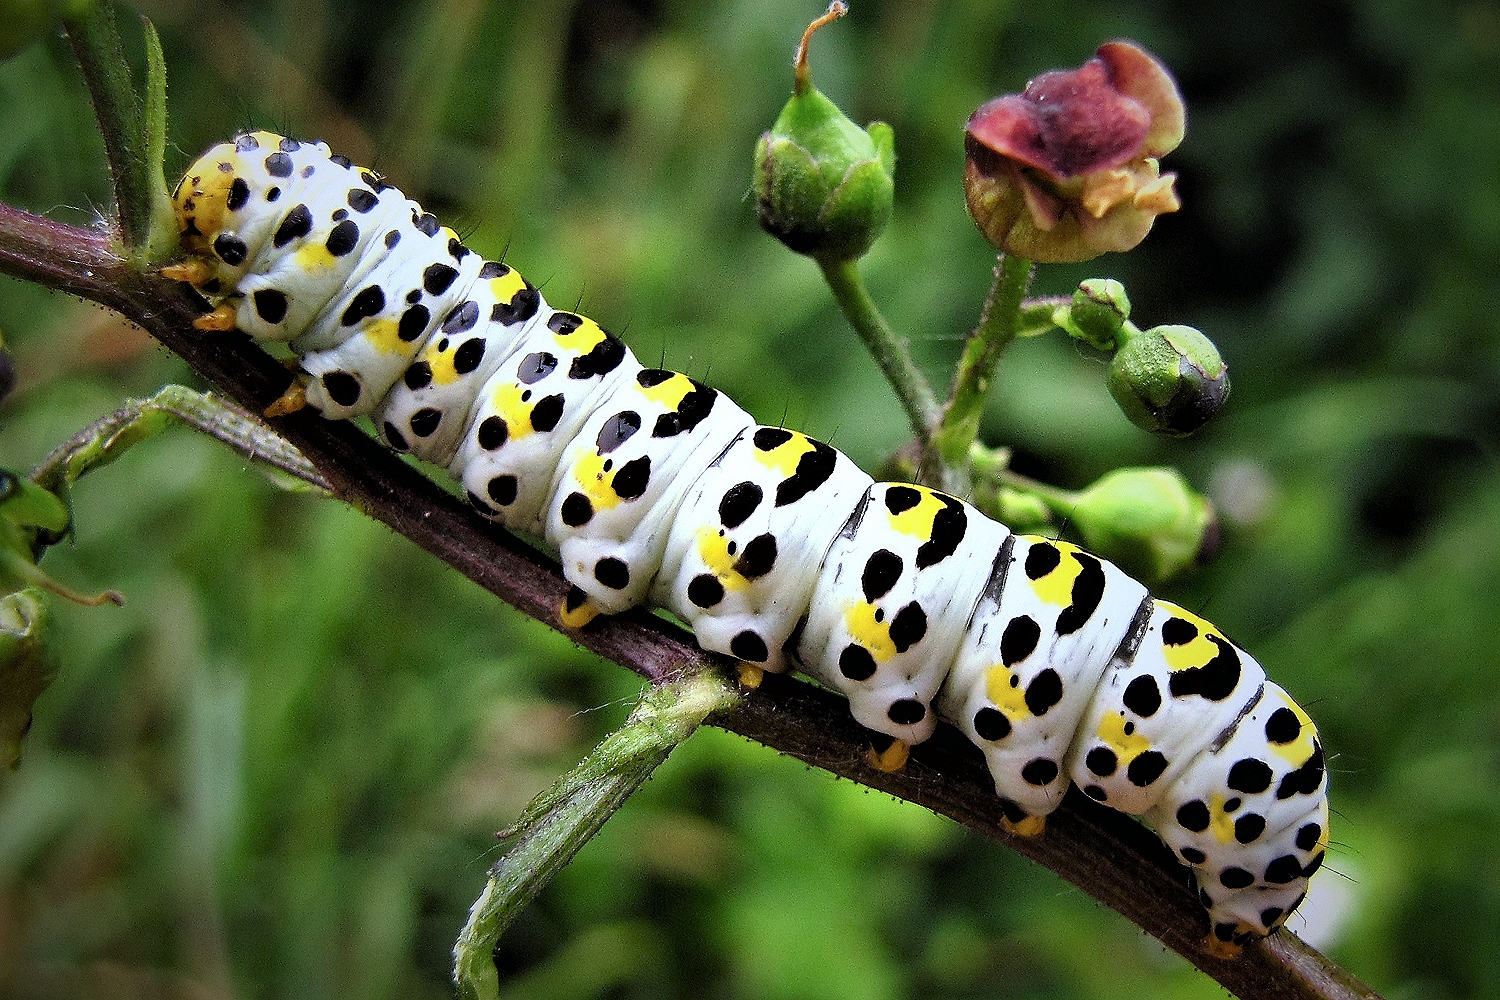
pixel 1169 380
pixel 1022 511
pixel 823 185
pixel 26 667
pixel 1067 169
pixel 1148 520
pixel 1097 313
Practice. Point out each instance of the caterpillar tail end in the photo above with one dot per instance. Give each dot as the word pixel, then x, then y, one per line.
pixel 1031 826
pixel 577 609
pixel 194 272
pixel 219 319
pixel 751 676
pixel 890 760
pixel 294 399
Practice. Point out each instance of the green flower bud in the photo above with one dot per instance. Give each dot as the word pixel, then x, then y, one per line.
pixel 1148 520
pixel 1169 379
pixel 26 667
pixel 823 185
pixel 1097 313
pixel 1022 511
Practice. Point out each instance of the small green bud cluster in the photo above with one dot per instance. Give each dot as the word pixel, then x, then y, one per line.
pixel 1097 314
pixel 1167 380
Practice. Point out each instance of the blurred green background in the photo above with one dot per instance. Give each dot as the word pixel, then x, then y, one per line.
pixel 276 772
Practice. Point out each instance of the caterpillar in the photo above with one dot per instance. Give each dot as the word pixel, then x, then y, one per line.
pixel 775 548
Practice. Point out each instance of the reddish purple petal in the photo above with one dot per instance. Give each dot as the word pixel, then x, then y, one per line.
pixel 1066 123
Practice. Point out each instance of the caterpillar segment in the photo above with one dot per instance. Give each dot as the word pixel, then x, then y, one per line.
pixel 1250 816
pixel 1049 621
pixel 623 477
pixel 428 410
pixel 892 603
pixel 775 548
pixel 747 546
pixel 529 410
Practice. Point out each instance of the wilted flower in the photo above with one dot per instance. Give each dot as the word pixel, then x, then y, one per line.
pixel 1169 380
pixel 1067 169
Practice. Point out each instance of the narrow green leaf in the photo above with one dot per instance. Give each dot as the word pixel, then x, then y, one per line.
pixel 106 439
pixel 161 240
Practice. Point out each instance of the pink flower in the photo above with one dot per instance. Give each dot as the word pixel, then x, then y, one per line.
pixel 1067 169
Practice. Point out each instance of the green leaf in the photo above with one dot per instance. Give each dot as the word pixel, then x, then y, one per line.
pixel 161 241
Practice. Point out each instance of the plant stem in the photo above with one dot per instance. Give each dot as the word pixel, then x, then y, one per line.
pixel 95 38
pixel 1059 500
pixel 890 351
pixel 1036 315
pixel 959 426
pixel 556 824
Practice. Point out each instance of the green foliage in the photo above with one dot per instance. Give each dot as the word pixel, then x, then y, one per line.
pixel 278 769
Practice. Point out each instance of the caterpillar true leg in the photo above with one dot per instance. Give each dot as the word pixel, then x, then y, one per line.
pixel 290 401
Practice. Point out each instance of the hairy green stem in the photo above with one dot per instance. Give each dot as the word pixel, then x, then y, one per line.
pixel 1061 501
pixel 889 349
pixel 95 38
pixel 1037 315
pixel 959 426
pixel 107 438
pixel 556 824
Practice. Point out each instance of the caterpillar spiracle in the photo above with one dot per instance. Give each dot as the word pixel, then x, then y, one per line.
pixel 775 548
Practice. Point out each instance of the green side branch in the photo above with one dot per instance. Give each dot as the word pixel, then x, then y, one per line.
pixel 998 326
pixel 890 350
pixel 556 824
pixel 109 437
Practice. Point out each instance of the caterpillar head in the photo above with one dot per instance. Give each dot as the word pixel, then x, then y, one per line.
pixel 220 221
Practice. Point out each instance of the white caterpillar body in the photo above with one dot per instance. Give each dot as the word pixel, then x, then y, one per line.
pixel 777 550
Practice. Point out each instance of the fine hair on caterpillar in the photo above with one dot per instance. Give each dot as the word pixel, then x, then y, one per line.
pixel 656 489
